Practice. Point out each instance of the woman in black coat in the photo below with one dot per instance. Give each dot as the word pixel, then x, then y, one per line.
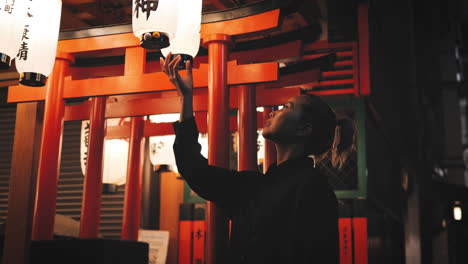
pixel 288 215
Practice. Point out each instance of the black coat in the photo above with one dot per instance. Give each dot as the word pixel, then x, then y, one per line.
pixel 287 216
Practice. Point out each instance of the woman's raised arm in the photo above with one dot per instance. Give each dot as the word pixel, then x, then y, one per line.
pixel 213 183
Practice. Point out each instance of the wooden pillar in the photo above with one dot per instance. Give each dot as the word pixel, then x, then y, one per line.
pixel 51 147
pixel 132 201
pixel 135 63
pixel 172 195
pixel 364 62
pixel 218 141
pixel 22 190
pixel 91 205
pixel 247 154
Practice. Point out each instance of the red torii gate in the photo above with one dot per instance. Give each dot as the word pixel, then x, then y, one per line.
pixel 134 80
pixel 215 75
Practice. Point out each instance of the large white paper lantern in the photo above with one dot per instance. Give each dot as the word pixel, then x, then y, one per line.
pixel 12 19
pixel 38 48
pixel 187 39
pixel 154 22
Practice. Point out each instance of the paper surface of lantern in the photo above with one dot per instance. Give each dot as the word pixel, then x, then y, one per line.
pixel 154 22
pixel 115 155
pixel 162 153
pixel 38 47
pixel 187 39
pixel 115 161
pixel 12 19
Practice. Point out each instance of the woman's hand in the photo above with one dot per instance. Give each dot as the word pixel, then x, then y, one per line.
pixel 184 84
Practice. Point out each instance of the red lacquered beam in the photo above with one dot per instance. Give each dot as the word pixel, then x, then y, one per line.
pixel 335 82
pixel 344 63
pixel 337 73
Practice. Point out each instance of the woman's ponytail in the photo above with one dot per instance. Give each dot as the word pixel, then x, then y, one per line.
pixel 344 142
pixel 332 138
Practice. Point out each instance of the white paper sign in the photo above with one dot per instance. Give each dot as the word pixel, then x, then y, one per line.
pixel 158 244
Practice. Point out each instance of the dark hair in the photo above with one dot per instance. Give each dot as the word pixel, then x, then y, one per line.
pixel 331 136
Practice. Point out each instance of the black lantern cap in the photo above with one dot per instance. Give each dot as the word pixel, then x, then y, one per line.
pixel 5 61
pixel 109 188
pixel 32 79
pixel 184 60
pixel 154 40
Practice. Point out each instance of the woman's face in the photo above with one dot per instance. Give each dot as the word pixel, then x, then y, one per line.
pixel 283 125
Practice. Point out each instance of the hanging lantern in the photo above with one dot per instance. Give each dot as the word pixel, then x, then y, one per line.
pixel 115 157
pixel 187 40
pixel 115 164
pixel 154 22
pixel 38 48
pixel 160 147
pixel 12 18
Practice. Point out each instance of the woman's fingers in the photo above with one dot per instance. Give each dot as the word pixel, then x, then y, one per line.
pixel 162 62
pixel 188 66
pixel 172 67
pixel 173 64
pixel 168 57
pixel 165 62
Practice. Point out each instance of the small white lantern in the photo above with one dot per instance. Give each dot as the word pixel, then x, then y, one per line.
pixel 187 40
pixel 154 22
pixel 12 19
pixel 38 48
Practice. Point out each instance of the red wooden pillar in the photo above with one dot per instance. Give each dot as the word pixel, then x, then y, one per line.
pixel 270 149
pixel 91 208
pixel 49 154
pixel 132 202
pixel 135 63
pixel 360 240
pixel 363 32
pixel 22 189
pixel 247 153
pixel 218 140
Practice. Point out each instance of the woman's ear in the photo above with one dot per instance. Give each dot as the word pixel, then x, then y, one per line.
pixel 304 129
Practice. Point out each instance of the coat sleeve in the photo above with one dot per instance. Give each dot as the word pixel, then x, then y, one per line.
pixel 315 234
pixel 212 183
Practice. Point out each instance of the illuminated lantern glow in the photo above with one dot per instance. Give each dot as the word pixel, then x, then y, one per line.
pixel 187 38
pixel 115 157
pixel 457 211
pixel 160 147
pixel 154 22
pixel 12 19
pixel 115 162
pixel 38 47
pixel 162 153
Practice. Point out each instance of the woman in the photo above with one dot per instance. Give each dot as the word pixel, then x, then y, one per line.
pixel 288 215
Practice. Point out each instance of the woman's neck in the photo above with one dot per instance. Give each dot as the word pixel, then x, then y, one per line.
pixel 285 152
